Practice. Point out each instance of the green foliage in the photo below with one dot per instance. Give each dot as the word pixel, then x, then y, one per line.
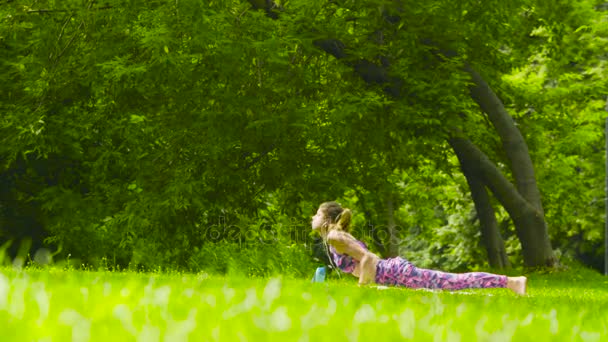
pixel 559 102
pixel 260 260
pixel 143 113
pixel 129 128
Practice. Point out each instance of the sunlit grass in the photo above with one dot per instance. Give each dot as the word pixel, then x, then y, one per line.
pixel 59 305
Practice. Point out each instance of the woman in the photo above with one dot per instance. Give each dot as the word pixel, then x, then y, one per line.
pixel 352 256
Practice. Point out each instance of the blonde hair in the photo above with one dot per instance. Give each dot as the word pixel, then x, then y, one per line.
pixel 339 218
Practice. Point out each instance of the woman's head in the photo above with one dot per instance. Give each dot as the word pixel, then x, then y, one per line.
pixel 330 216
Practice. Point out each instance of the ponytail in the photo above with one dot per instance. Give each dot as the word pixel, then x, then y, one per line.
pixel 344 219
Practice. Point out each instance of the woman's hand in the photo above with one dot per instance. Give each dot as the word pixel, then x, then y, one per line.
pixel 367 273
pixel 345 243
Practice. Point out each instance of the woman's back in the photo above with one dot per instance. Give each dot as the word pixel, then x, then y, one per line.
pixel 345 262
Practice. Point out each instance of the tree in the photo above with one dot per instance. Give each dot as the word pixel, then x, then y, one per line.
pixel 137 126
pixel 377 61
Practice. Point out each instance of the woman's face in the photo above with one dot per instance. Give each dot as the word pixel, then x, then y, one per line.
pixel 318 220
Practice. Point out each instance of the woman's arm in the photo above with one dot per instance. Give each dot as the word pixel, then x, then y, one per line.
pixel 368 269
pixel 344 243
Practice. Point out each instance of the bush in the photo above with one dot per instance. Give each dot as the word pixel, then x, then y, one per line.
pixel 257 260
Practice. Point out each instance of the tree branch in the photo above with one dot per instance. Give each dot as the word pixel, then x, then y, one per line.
pixel 501 187
pixel 43 11
pixel 255 160
pixel 73 37
pixel 490 233
pixel 513 142
pixel 63 28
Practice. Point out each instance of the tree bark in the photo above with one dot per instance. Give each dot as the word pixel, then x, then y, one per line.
pixel 529 223
pixel 534 225
pixel 513 142
pixel 490 234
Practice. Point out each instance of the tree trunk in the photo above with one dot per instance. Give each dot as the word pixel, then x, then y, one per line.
pixel 490 234
pixel 513 142
pixel 529 223
pixel 533 224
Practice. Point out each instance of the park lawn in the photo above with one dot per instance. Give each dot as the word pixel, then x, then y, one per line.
pixel 60 305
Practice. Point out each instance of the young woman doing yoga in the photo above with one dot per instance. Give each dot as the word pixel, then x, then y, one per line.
pixel 352 256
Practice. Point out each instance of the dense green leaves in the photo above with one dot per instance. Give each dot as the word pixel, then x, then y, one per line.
pixel 129 128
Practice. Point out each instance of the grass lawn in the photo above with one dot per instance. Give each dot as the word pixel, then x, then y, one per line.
pixel 59 305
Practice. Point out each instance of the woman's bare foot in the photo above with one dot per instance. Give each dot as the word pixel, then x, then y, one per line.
pixel 517 284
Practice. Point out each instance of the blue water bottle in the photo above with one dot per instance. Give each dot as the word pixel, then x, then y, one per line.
pixel 319 276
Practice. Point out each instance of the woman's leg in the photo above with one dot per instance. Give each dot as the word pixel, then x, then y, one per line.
pixel 400 272
pixel 415 277
pixel 517 284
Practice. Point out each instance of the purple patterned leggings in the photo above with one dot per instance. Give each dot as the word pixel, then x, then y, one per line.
pixel 400 272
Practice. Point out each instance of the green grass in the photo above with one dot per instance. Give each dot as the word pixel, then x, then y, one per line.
pixel 58 305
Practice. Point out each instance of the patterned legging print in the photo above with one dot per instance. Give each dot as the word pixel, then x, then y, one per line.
pixel 400 272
